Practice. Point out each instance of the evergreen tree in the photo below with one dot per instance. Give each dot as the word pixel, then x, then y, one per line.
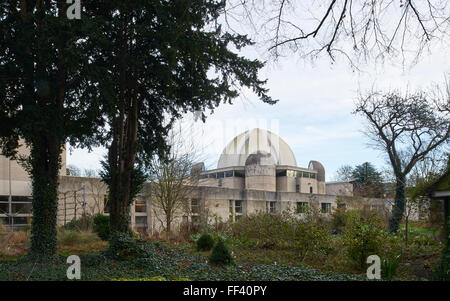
pixel 47 97
pixel 368 180
pixel 163 59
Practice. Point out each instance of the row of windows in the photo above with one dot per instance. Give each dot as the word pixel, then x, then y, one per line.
pixel 19 204
pixel 223 174
pixel 296 174
pixel 241 174
pixel 302 207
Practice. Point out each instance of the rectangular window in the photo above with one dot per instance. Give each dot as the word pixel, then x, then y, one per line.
pixel 302 207
pixel 4 208
pixel 238 207
pixel 235 210
pixel 195 206
pixel 239 174
pixel 219 182
pixel 281 173
pixel 141 220
pixel 140 206
pixel 229 174
pixel 270 207
pixel 297 187
pixel 312 175
pixel 326 207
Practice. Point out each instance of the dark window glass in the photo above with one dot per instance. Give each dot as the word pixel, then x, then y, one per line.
pixel 4 208
pixel 238 206
pixel 141 220
pixel 195 206
pixel 219 182
pixel 281 173
pixel 22 199
pixel 20 220
pixel 239 174
pixel 310 190
pixel 229 174
pixel 21 208
pixel 326 207
pixel 302 207
pixel 220 175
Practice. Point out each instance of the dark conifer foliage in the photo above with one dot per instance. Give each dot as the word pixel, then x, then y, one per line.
pixel 47 97
pixel 163 59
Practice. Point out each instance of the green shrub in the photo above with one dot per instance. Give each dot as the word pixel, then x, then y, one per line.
pixel 268 230
pixel 70 238
pixel 194 237
pixel 80 224
pixel 310 237
pixel 123 246
pixel 339 218
pixel 389 267
pixel 101 226
pixel 364 237
pixel 205 242
pixel 221 254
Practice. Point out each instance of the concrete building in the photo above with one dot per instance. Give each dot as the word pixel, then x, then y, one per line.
pixel 257 171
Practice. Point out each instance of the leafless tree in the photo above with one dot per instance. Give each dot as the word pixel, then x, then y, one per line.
pixel 407 128
pixel 344 173
pixel 353 28
pixel 173 179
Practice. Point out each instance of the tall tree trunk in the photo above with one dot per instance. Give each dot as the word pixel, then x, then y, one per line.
pixel 399 206
pixel 45 165
pixel 122 159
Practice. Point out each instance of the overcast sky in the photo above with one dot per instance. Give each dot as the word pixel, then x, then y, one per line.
pixel 313 114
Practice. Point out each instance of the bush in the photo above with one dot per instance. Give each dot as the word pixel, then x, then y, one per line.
pixel 364 237
pixel 123 246
pixel 70 238
pixel 2 228
pixel 310 237
pixel 221 254
pixel 339 218
pixel 205 242
pixel 268 230
pixel 78 224
pixel 389 267
pixel 101 226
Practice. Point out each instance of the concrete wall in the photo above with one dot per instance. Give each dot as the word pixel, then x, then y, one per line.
pixel 339 188
pixel 260 177
pixel 20 180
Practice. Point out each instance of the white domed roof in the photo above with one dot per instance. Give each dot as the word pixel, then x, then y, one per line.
pixel 253 141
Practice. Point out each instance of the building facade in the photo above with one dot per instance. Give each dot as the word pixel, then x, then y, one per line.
pixel 256 172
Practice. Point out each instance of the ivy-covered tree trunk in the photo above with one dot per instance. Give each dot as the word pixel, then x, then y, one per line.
pixel 399 206
pixel 45 164
pixel 122 156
